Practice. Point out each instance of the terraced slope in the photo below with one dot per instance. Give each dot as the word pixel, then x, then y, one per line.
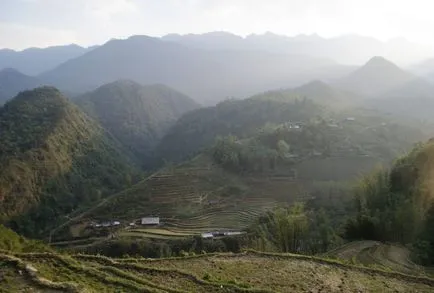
pixel 373 253
pixel 246 272
pixel 189 199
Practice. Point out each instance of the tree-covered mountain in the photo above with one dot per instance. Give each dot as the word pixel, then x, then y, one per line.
pixel 137 116
pixel 205 75
pixel 54 160
pixel 34 61
pixel 198 129
pixel 376 77
pixel 13 81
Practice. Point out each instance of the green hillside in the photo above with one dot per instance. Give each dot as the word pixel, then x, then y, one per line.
pixel 198 129
pixel 137 116
pixel 245 272
pixel 54 160
pixel 236 180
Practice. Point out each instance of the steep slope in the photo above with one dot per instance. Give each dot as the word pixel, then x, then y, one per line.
pixel 205 75
pixel 137 116
pixel 34 61
pixel 376 77
pixel 198 129
pixel 54 160
pixel 13 81
pixel 11 241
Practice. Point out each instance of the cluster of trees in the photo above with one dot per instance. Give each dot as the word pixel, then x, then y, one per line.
pixel 198 129
pixel 166 248
pixel 398 205
pixel 235 155
pixel 294 229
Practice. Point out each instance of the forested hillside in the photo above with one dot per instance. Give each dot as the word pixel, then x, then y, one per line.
pixel 198 129
pixel 137 116
pixel 54 160
pixel 397 204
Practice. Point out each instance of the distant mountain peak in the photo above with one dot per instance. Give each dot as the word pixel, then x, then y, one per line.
pixel 316 83
pixel 376 77
pixel 379 61
pixel 10 70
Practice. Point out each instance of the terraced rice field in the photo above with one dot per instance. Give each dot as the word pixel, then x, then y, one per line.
pixel 246 272
pixel 384 256
pixel 190 200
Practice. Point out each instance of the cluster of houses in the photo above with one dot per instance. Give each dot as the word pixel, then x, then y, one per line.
pixel 147 221
pixel 155 221
pixel 213 234
pixel 105 224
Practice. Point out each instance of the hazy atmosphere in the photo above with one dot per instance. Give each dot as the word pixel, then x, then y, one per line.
pixel 41 23
pixel 216 146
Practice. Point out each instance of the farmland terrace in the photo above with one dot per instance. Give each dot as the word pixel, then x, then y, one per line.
pixel 246 272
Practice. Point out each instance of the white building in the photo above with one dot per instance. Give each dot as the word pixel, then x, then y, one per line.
pixel 150 221
pixel 207 235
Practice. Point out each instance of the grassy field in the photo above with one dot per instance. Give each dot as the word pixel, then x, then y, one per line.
pixel 245 272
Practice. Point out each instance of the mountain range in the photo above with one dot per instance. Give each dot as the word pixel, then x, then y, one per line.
pixel 216 66
pixel 347 49
pixel 206 76
pixel 33 61
pixel 13 81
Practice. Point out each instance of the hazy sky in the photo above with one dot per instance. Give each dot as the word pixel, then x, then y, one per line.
pixel 40 23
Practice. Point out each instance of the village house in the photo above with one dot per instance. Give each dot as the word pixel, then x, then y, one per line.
pixel 150 221
pixel 207 235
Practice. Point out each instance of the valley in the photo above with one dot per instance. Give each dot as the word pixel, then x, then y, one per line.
pixel 217 163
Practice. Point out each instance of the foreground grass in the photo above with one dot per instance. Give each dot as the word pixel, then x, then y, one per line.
pixel 247 272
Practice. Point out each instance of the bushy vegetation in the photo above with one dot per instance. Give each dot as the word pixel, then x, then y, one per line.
pixel 11 241
pixel 166 248
pixel 294 229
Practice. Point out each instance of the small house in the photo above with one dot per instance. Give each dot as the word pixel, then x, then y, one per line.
pixel 106 224
pixel 233 233
pixel 207 235
pixel 150 221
